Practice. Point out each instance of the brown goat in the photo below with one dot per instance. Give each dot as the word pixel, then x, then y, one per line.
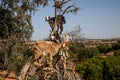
pixel 48 49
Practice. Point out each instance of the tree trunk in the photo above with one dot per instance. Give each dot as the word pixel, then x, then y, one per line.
pixel 24 71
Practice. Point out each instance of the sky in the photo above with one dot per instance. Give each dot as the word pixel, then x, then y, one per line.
pixel 98 19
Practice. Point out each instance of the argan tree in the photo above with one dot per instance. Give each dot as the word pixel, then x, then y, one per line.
pixel 15 29
pixel 16 18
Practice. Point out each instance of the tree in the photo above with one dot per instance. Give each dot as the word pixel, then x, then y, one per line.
pixel 16 18
pixel 75 34
pixel 116 46
pixel 15 29
pixel 87 53
pixel 91 69
pixel 104 48
pixel 117 52
pixel 111 68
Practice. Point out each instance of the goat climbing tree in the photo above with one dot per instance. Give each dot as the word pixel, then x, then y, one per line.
pixel 62 68
pixel 59 19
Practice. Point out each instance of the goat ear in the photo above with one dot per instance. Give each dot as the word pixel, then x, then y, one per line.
pixel 45 19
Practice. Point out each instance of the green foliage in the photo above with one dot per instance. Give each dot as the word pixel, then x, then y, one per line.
pixel 16 18
pixel 14 26
pixel 78 51
pixel 104 48
pixel 117 52
pixel 74 50
pixel 88 53
pixel 91 69
pixel 98 68
pixel 15 29
pixel 76 47
pixel 111 68
pixel 90 64
pixel 18 26
pixel 116 46
pixel 14 55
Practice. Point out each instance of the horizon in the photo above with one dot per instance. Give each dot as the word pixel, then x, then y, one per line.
pixel 99 19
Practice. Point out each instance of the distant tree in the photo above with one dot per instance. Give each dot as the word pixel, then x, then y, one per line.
pixel 75 49
pixel 88 53
pixel 75 34
pixel 104 48
pixel 116 46
pixel 78 51
pixel 117 52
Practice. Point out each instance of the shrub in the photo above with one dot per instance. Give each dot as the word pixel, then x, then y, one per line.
pixel 111 68
pixel 88 53
pixel 104 48
pixel 13 55
pixel 116 46
pixel 98 68
pixel 91 69
pixel 117 52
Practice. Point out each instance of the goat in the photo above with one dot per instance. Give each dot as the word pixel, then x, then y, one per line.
pixel 60 20
pixel 48 49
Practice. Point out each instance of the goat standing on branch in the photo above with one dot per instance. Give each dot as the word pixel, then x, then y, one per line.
pixel 48 49
pixel 60 20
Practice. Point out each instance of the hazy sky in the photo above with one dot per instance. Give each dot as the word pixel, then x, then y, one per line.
pixel 98 19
